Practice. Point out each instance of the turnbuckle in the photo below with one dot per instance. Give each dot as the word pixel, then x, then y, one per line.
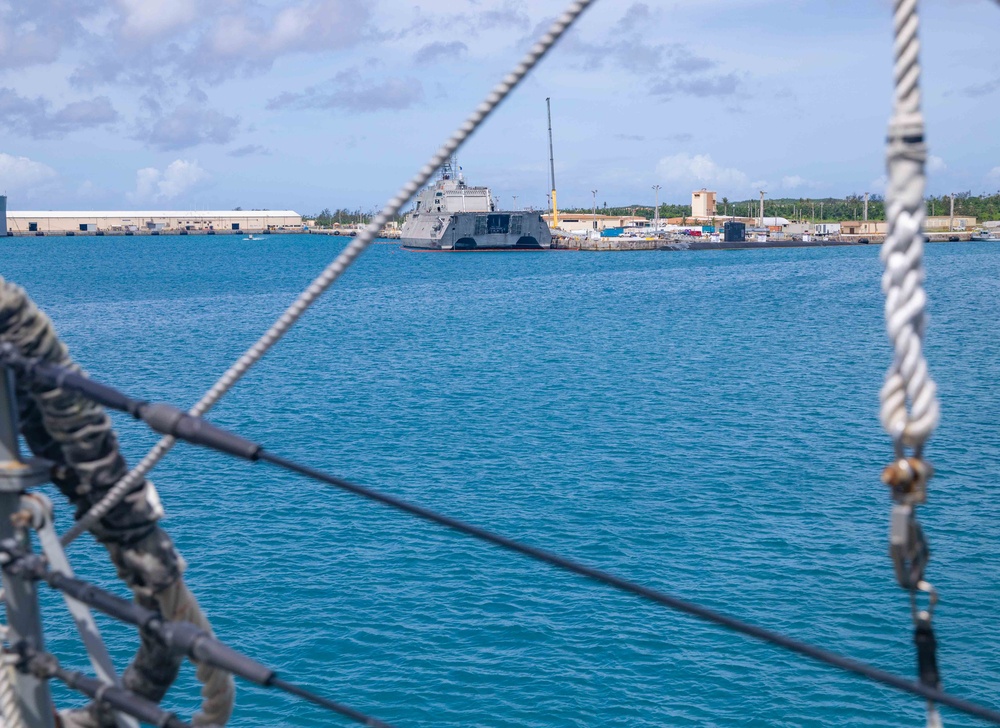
pixel 907 477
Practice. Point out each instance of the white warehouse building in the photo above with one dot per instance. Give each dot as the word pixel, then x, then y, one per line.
pixel 125 221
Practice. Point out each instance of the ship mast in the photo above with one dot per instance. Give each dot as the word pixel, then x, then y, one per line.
pixel 552 167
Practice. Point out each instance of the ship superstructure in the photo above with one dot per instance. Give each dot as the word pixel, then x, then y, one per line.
pixel 451 215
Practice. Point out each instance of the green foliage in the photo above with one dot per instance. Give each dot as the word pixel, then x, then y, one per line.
pixel 820 209
pixel 345 217
pixel 325 218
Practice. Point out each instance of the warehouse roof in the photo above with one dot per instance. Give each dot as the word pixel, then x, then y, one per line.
pixel 153 213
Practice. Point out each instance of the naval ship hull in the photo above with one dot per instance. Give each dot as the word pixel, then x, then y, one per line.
pixel 476 231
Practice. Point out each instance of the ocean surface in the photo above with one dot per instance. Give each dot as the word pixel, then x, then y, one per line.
pixel 704 423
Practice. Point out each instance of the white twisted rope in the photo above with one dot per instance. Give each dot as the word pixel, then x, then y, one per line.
pixel 10 706
pixel 908 379
pixel 333 271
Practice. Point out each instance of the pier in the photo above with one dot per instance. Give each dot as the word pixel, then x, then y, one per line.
pixel 684 242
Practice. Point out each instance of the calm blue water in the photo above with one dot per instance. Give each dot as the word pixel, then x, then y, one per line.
pixel 704 423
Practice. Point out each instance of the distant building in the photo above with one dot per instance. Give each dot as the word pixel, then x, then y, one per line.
pixel 861 227
pixel 64 221
pixel 582 222
pixel 945 222
pixel 703 204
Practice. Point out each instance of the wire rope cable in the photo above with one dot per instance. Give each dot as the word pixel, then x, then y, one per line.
pixel 695 610
pixel 341 263
pixel 171 420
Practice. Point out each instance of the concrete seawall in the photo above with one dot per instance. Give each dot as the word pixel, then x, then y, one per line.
pixel 694 243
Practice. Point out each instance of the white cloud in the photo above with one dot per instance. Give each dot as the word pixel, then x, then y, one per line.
pixel 243 40
pixel 793 182
pixel 19 173
pixel 700 169
pixel 148 18
pixel 935 164
pixel 179 176
pixel 994 174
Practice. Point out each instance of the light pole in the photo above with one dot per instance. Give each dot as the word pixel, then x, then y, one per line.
pixel 594 193
pixel 656 213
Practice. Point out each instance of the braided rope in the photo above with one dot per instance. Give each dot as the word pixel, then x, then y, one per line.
pixel 10 707
pixel 908 379
pixel 218 692
pixel 343 261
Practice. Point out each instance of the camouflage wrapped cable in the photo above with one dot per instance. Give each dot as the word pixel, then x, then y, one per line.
pixel 76 435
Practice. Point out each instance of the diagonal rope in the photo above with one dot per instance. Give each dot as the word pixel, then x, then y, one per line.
pixel 909 406
pixel 333 271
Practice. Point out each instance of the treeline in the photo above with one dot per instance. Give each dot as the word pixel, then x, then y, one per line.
pixel 828 209
pixel 342 216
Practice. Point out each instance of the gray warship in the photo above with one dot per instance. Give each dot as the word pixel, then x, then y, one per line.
pixel 450 215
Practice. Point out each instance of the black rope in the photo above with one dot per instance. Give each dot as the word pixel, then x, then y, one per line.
pixel 200 432
pixel 184 637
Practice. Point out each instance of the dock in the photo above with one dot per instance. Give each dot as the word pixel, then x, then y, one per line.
pixel 684 242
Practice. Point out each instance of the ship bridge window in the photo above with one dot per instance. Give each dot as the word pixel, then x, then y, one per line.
pixel 499 224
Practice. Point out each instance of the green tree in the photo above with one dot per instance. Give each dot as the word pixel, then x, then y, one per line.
pixel 325 218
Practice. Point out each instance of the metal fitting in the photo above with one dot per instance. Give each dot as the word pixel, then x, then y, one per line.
pixel 908 478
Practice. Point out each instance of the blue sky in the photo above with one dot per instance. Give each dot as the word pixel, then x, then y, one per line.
pixel 306 104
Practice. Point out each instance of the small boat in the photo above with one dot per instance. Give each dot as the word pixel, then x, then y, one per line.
pixel 985 235
pixel 254 237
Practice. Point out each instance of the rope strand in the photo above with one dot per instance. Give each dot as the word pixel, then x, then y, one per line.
pixel 908 378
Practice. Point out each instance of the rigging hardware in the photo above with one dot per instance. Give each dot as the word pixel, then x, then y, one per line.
pixel 45 666
pixel 254 452
pixel 183 637
pixel 909 405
